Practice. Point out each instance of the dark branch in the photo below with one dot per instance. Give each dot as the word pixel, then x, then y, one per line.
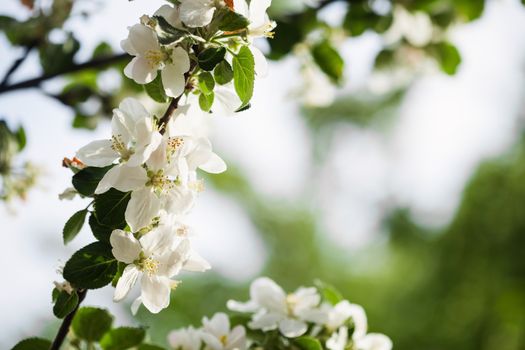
pixel 16 64
pixel 35 82
pixel 163 122
pixel 64 327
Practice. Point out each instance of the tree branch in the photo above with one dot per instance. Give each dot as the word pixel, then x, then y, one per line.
pixel 35 82
pixel 16 64
pixel 163 122
pixel 64 327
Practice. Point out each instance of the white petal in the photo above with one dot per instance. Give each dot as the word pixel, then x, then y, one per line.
pixel 127 46
pixel 268 294
pixel 214 165
pixel 158 241
pixel 180 59
pixel 97 153
pixel 261 65
pixel 241 7
pixel 258 11
pixel 135 305
pixel 155 292
pixel 218 325
pixel 170 14
pixel 196 263
pixel 211 341
pixel 292 328
pixel 126 247
pixel 226 100
pixel 145 146
pixel 173 81
pixel 126 282
pixel 237 338
pixel 133 109
pixel 249 306
pixel 374 341
pixel 358 315
pixel 266 322
pixel 143 39
pixel 172 262
pixel 123 178
pixel 196 13
pixel 179 200
pixel 140 70
pixel 143 206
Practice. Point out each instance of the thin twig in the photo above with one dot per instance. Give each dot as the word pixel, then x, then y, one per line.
pixel 64 327
pixel 163 122
pixel 35 82
pixel 16 64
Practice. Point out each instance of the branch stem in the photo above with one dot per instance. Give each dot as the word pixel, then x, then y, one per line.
pixel 16 64
pixel 64 327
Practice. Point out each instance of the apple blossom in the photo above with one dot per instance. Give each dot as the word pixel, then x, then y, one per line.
pixel 217 334
pixel 185 339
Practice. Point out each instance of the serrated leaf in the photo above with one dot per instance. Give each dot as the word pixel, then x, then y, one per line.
pixel 308 343
pixel 122 338
pixel 110 208
pixel 206 101
pixel 91 267
pixel 206 83
pixel 223 73
pixel 33 344
pixel 230 21
pixel 87 179
pixel 156 91
pixel 329 60
pixel 90 323
pixel 74 225
pixel 244 74
pixel 210 57
pixel 65 303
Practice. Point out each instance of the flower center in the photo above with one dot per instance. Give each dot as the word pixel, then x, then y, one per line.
pixel 174 144
pixel 291 302
pixel 182 231
pixel 118 145
pixel 223 339
pixel 148 265
pixel 265 30
pixel 155 57
pixel 159 181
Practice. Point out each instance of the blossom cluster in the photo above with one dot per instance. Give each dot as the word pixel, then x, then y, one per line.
pixel 279 320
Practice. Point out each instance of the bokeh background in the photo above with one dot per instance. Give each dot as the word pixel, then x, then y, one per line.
pixel 404 187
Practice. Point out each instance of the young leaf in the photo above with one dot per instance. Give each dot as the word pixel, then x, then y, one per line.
pixel 206 83
pixel 206 101
pixel 210 57
pixel 33 344
pixel 155 90
pixel 91 267
pixel 230 21
pixel 329 60
pixel 447 56
pixel 65 303
pixel 328 292
pixel 122 338
pixel 90 324
pixel 223 73
pixel 87 179
pixel 308 343
pixel 110 208
pixel 244 74
pixel 74 225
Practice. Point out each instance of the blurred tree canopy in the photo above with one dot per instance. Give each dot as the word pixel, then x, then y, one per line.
pixel 457 289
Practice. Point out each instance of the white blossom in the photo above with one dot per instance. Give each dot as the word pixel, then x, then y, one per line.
pixel 185 339
pixel 197 13
pixel 373 341
pixel 154 258
pixel 217 335
pixel 151 56
pixel 273 308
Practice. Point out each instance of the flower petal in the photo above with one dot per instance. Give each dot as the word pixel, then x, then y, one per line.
pixel 126 282
pixel 143 206
pixel 173 81
pixel 196 263
pixel 155 292
pixel 126 248
pixel 261 65
pixel 258 12
pixel 122 178
pixel 196 13
pixel 237 338
pixel 214 165
pixel 292 328
pixel 135 305
pixel 140 70
pixel 179 200
pixel 97 153
pixel 374 341
pixel 218 325
pixel 143 39
pixel 268 294
pixel 170 14
pixel 266 322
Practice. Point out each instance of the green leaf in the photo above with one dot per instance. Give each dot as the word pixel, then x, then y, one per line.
pixel 55 58
pixel 167 33
pixel 206 101
pixel 102 50
pixel 308 343
pixel 74 225
pixel 110 208
pixel 21 138
pixel 120 271
pixel 155 90
pixel 244 74
pixel 210 57
pixel 447 56
pixel 329 60
pixel 122 338
pixel 230 21
pixel 223 73
pixel 90 323
pixel 102 232
pixel 65 303
pixel 206 83
pixel 328 292
pixel 85 122
pixel 87 179
pixel 91 267
pixel 33 344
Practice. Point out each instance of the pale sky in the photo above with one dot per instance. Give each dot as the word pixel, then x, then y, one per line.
pixel 444 128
